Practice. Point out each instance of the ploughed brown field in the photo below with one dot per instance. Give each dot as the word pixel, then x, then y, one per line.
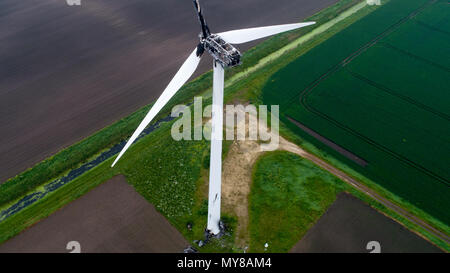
pixel 350 224
pixel 68 71
pixel 111 218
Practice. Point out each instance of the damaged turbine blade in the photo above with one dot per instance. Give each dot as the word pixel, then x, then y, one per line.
pixel 182 76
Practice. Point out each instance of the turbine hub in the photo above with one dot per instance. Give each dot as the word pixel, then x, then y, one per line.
pixel 221 51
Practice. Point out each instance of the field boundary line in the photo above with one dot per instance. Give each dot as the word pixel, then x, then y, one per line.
pixel 395 94
pixel 423 59
pixel 425 25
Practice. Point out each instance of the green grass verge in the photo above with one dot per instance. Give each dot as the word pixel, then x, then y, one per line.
pixel 288 195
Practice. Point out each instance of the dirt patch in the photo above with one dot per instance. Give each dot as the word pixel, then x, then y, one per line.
pixel 236 181
pixel 111 218
pixel 237 177
pixel 349 225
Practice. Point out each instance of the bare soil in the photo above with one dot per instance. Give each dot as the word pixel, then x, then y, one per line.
pixel 350 224
pixel 111 218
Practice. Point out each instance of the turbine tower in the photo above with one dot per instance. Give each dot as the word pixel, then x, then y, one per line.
pixel 224 54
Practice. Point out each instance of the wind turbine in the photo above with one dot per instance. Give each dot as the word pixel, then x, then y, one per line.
pixel 224 55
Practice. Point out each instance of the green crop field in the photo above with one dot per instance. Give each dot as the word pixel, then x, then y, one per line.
pixel 380 90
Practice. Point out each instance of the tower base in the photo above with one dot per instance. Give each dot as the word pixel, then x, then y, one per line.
pixel 209 234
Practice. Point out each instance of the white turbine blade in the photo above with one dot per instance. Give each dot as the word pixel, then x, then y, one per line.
pixel 182 76
pixel 250 34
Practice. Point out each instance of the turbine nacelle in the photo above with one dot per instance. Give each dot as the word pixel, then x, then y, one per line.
pixel 221 51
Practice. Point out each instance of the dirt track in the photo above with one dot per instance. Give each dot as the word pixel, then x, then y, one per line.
pixel 68 71
pixel 111 218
